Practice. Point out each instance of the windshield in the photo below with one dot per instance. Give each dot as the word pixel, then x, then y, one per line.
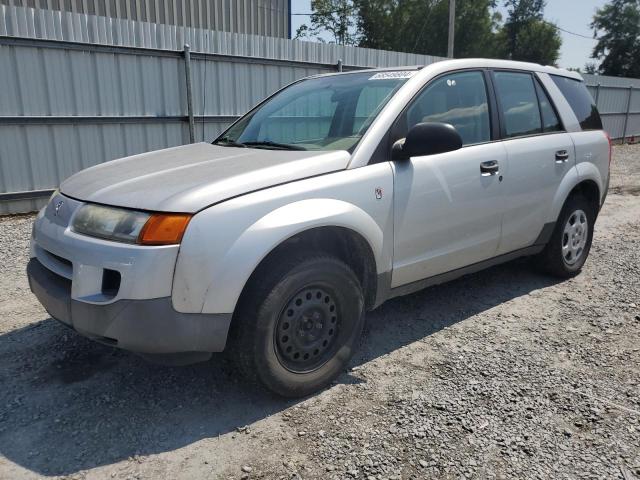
pixel 325 113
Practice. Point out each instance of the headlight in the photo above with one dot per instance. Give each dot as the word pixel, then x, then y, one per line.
pixel 110 223
pixel 130 226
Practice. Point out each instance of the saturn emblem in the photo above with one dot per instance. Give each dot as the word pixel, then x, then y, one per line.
pixel 58 207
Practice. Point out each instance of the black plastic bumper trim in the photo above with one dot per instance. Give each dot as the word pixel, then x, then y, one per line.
pixel 143 326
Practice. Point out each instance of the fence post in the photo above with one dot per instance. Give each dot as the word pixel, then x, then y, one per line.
pixel 339 65
pixel 626 118
pixel 187 69
pixel 597 93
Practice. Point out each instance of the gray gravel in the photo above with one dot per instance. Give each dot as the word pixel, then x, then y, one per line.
pixel 502 374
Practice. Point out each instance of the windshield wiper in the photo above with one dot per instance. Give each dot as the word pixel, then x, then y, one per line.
pixel 268 143
pixel 227 142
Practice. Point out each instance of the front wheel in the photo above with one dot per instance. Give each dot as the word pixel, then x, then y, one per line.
pixel 299 323
pixel 570 243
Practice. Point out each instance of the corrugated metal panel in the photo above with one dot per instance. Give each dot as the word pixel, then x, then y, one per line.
pixel 259 17
pixel 40 81
pixel 611 81
pixel 634 105
pixel 615 97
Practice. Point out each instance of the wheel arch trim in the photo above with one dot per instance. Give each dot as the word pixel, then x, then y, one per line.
pixel 571 180
pixel 276 227
pixel 589 172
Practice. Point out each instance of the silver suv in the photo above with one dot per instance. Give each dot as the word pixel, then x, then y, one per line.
pixel 331 196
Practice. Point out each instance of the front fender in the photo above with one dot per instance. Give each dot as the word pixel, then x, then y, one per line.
pixel 257 241
pixel 225 242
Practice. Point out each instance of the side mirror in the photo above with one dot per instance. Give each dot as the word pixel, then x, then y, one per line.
pixel 427 138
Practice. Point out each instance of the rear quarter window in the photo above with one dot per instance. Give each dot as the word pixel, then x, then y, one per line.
pixel 580 101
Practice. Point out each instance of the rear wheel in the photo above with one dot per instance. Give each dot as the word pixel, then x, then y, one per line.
pixel 570 243
pixel 299 323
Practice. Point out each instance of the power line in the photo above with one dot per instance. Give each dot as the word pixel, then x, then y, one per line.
pixel 569 32
pixel 315 13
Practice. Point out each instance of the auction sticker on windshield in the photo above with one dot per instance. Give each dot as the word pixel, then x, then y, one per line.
pixel 393 75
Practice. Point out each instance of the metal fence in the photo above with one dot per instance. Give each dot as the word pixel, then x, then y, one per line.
pixel 618 100
pixel 258 17
pixel 77 90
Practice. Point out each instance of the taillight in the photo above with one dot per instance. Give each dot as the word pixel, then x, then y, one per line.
pixel 606 134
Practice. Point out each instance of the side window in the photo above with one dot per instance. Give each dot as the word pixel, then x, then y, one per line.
pixel 459 99
pixel 518 102
pixel 581 102
pixel 550 122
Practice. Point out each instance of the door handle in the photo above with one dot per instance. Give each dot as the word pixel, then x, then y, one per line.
pixel 490 167
pixel 562 156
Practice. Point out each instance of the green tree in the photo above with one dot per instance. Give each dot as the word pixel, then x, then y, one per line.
pixel 591 68
pixel 617 26
pixel 526 36
pixel 337 17
pixel 521 13
pixel 476 24
pixel 394 24
pixel 419 26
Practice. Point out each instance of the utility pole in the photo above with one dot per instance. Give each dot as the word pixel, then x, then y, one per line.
pixel 452 27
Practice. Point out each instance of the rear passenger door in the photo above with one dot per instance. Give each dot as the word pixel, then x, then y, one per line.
pixel 539 154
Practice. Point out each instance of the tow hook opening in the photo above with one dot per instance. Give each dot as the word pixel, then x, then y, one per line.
pixel 110 282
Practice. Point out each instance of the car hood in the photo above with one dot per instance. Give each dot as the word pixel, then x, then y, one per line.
pixel 191 177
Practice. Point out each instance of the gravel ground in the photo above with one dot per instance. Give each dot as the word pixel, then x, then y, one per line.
pixel 502 374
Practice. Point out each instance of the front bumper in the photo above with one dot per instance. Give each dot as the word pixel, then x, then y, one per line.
pixel 142 326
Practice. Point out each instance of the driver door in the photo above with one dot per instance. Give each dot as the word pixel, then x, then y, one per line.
pixel 448 207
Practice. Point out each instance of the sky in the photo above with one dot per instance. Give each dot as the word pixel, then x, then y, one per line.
pixel 572 15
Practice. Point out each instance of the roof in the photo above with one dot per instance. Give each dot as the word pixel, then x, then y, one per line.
pixel 455 64
pixel 507 64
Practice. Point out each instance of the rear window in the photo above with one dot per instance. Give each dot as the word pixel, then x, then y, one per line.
pixel 581 102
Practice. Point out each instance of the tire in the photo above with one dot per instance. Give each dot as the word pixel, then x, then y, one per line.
pixel 298 324
pixel 570 243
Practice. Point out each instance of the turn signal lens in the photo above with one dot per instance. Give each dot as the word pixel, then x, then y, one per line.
pixel 164 229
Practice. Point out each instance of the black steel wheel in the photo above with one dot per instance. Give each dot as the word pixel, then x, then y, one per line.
pixel 298 323
pixel 307 331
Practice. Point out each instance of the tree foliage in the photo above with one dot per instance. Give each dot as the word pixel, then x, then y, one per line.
pixel 526 36
pixel 421 26
pixel 333 16
pixel 617 26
